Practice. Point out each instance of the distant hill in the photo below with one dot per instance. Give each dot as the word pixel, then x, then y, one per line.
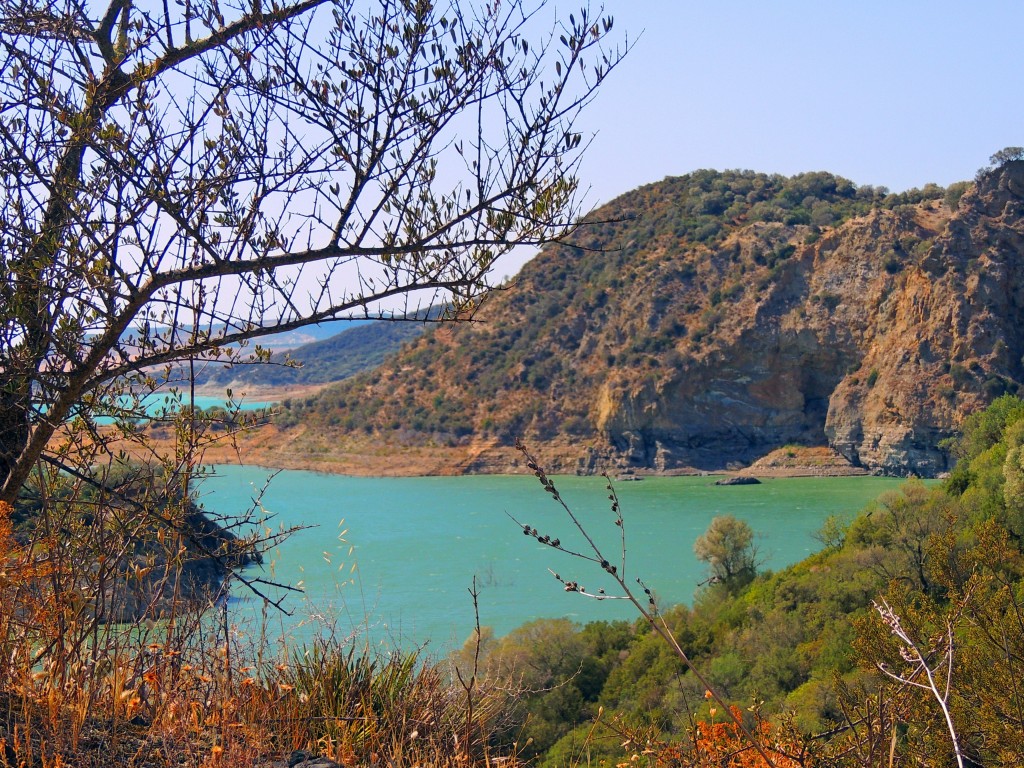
pixel 708 319
pixel 276 341
pixel 310 334
pixel 359 347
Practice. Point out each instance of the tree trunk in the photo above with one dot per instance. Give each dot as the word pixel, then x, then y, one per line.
pixel 14 427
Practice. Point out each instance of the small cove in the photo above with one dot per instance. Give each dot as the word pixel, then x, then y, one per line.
pixel 392 559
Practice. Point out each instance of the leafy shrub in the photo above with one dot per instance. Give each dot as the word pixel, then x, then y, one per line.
pixel 954 192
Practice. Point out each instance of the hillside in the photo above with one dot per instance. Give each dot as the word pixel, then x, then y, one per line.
pixel 361 346
pixel 703 321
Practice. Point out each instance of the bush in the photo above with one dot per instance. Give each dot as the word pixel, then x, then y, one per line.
pixel 954 192
pixel 727 546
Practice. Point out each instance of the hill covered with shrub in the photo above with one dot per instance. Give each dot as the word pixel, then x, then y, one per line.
pixel 703 321
pixel 360 347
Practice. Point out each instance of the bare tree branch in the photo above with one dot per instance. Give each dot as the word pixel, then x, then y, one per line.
pixel 177 180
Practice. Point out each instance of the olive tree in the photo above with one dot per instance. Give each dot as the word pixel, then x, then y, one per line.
pixel 727 546
pixel 999 159
pixel 1006 155
pixel 177 179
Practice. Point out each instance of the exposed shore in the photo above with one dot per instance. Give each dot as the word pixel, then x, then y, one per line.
pixel 361 455
pixel 367 456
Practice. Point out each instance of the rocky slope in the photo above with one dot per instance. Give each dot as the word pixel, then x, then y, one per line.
pixel 704 321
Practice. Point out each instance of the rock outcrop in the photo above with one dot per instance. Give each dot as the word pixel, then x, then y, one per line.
pixel 159 555
pixel 155 582
pixel 704 321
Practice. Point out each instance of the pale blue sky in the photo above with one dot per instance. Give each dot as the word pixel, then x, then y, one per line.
pixel 894 94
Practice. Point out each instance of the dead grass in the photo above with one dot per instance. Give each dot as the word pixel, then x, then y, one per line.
pixel 177 684
pixel 208 703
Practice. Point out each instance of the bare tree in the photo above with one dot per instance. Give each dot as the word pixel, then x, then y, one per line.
pixel 178 178
pixel 928 668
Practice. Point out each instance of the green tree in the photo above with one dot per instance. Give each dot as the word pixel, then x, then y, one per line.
pixel 1007 155
pixel 999 159
pixel 954 192
pixel 954 632
pixel 987 478
pixel 727 546
pixel 177 179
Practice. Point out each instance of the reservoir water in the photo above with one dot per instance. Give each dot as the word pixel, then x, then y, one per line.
pixel 392 559
pixel 163 405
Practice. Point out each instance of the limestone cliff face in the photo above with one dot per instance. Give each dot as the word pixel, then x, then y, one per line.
pixel 711 319
pixel 944 341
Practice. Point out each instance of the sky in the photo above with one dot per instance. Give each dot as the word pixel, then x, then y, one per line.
pixel 895 94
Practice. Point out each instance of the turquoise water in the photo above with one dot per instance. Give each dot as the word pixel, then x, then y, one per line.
pixel 157 403
pixel 393 558
pixel 160 404
pixel 242 405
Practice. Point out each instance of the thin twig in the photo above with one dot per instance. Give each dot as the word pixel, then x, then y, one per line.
pixel 649 610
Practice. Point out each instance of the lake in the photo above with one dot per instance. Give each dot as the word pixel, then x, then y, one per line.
pixel 392 559
pixel 163 404
pixel 160 403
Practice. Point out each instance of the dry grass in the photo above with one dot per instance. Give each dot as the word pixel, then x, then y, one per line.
pixel 175 684
pixel 114 655
pixel 171 700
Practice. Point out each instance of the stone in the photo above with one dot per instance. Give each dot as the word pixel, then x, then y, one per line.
pixel 302 759
pixel 738 480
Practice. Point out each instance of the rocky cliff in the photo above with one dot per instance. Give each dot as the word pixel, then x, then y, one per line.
pixel 706 320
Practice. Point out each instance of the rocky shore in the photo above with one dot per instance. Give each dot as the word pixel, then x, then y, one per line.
pixel 365 456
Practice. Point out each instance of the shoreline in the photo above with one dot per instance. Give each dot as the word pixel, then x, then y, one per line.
pixel 270 448
pixel 360 455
